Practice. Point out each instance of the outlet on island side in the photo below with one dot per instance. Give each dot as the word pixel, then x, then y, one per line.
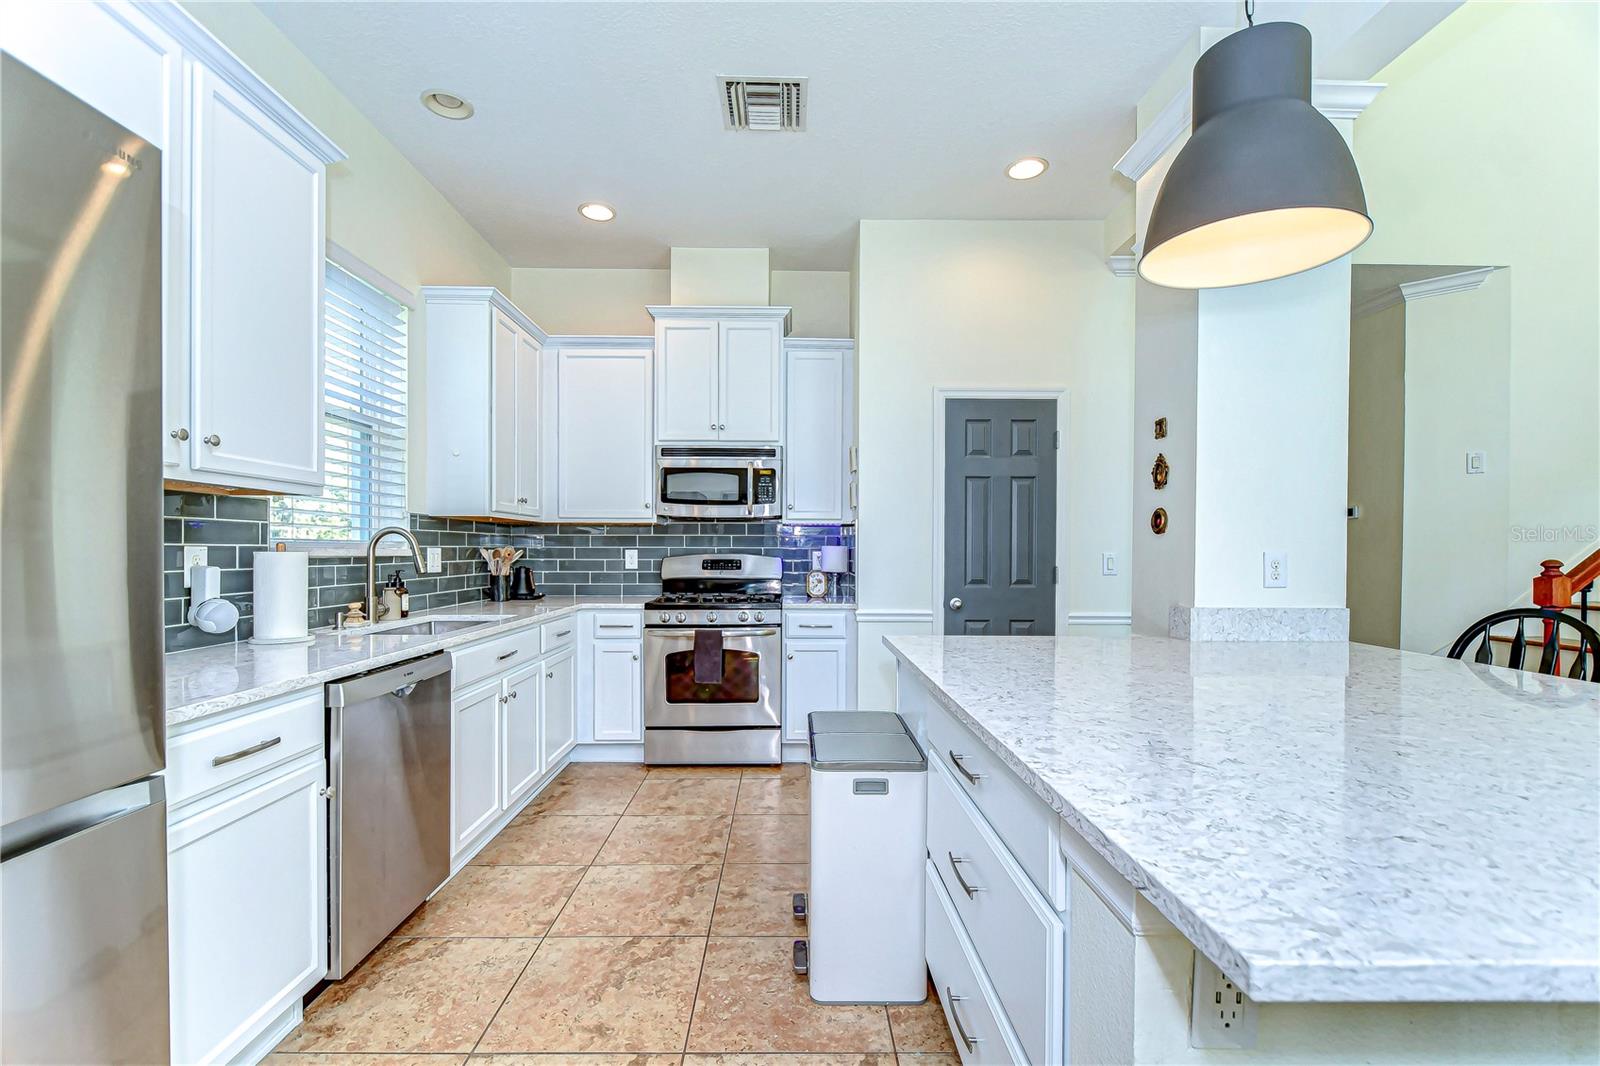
pixel 1220 1015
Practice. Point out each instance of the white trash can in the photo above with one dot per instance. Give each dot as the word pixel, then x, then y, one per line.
pixel 869 819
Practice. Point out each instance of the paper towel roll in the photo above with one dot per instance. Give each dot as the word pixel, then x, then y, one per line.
pixel 280 597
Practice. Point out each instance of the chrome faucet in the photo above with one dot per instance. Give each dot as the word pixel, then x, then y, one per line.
pixel 375 608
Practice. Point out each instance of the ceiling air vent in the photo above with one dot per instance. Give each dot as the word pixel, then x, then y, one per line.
pixel 763 103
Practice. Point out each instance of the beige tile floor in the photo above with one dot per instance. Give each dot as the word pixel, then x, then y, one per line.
pixel 628 916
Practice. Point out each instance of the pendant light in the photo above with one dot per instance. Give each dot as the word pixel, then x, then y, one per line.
pixel 1266 186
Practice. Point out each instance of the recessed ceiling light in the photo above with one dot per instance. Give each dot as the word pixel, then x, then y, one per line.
pixel 446 105
pixel 595 211
pixel 1027 167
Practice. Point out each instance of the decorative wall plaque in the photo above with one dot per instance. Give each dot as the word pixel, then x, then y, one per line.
pixel 1159 472
pixel 1158 521
pixel 1161 429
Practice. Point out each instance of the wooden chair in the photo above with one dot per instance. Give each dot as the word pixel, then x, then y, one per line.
pixel 1585 660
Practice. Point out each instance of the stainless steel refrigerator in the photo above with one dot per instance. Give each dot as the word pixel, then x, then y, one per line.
pixel 83 882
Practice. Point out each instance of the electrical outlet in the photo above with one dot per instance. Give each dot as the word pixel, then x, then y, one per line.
pixel 193 556
pixel 435 561
pixel 1108 564
pixel 1275 570
pixel 630 558
pixel 816 558
pixel 1220 1015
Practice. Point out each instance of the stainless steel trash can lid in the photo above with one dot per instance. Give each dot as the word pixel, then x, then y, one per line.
pixel 855 722
pixel 870 752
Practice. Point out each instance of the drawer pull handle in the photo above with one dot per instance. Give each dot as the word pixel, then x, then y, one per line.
pixel 506 655
pixel 955 1016
pixel 816 625
pixel 564 632
pixel 244 753
pixel 955 868
pixel 610 625
pixel 959 762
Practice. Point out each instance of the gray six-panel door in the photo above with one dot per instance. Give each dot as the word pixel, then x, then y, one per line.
pixel 1000 517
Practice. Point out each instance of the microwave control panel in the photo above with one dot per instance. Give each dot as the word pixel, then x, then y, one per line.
pixel 766 486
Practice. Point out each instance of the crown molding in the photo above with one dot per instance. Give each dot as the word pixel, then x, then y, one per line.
pixel 1335 99
pixel 601 341
pixel 198 42
pixel 1125 265
pixel 471 294
pixel 829 344
pixel 1421 289
pixel 1464 281
pixel 676 311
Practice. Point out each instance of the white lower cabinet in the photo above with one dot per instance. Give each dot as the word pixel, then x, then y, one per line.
pixel 816 677
pixel 521 756
pixel 247 895
pixel 557 709
pixel 474 762
pixel 618 691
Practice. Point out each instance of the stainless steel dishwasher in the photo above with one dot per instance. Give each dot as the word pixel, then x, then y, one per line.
pixel 389 809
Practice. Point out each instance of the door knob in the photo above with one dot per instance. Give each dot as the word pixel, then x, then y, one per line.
pixel 179 434
pixel 214 440
pixel 955 603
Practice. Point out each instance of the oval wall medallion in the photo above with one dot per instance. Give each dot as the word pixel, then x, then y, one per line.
pixel 1158 521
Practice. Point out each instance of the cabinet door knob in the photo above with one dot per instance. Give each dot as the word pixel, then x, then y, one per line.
pixel 214 440
pixel 550 673
pixel 635 656
pixel 713 425
pixel 722 427
pixel 179 434
pixel 791 656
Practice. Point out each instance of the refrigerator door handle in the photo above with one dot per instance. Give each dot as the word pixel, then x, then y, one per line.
pixel 47 827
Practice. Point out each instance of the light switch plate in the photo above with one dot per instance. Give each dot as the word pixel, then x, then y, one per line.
pixel 1108 564
pixel 1477 463
pixel 630 558
pixel 435 561
pixel 193 556
pixel 1274 570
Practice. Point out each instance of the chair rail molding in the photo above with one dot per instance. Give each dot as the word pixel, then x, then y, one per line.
pixel 892 616
pixel 1335 99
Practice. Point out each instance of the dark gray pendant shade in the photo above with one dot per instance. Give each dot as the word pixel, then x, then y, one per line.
pixel 1266 186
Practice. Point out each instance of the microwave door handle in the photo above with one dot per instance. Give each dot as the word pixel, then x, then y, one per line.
pixel 750 488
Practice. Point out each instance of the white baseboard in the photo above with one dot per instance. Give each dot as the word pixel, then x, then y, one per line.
pixel 608 752
pixel 272 1035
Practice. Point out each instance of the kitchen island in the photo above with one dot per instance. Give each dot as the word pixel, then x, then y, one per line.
pixel 1329 824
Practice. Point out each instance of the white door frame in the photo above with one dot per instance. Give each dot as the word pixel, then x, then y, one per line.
pixel 1062 397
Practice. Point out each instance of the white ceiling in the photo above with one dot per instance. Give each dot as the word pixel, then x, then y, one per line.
pixel 914 111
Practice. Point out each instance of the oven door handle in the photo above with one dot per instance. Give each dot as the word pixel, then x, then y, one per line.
pixel 687 632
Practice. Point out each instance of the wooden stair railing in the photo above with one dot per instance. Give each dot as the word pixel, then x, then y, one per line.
pixel 1553 588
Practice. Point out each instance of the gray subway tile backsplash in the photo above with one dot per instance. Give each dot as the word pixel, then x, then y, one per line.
pixel 566 560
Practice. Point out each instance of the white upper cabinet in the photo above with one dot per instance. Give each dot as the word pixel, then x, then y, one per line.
pixel 242 232
pixel 686 380
pixel 818 430
pixel 719 374
pixel 485 358
pixel 605 464
pixel 255 293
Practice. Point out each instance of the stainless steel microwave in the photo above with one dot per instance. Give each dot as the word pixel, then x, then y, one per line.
pixel 735 483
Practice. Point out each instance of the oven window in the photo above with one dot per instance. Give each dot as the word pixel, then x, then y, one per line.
pixel 741 679
pixel 697 485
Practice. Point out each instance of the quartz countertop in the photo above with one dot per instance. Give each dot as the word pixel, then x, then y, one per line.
pixel 206 681
pixel 1326 822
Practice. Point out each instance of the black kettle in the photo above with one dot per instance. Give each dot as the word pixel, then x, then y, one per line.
pixel 522 586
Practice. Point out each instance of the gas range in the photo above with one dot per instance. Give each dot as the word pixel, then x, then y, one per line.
pixel 717 591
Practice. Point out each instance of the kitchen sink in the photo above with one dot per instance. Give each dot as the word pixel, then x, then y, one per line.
pixel 433 627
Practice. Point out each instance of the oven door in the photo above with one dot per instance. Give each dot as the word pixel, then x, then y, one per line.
pixel 703 488
pixel 750 691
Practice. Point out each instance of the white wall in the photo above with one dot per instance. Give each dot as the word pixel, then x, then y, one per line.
pixel 820 298
pixel 591 301
pixel 1457 399
pixel 991 304
pixel 1271 448
pixel 720 276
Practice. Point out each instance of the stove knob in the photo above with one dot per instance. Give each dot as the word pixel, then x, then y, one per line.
pixel 744 616
pixel 681 616
pixel 711 616
pixel 666 616
pixel 760 617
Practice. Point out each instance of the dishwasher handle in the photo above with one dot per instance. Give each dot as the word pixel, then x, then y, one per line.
pixel 400 679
